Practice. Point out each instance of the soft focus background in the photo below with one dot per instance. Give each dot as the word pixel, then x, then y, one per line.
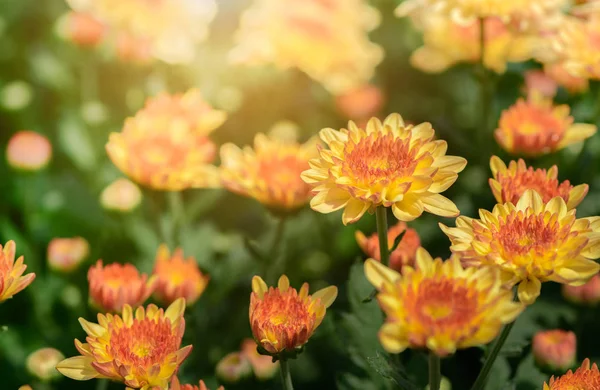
pixel 76 96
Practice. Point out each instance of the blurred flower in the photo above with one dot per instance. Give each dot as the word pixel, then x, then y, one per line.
pixel 539 81
pixel 530 243
pixel 554 349
pixel 571 83
pixel 28 151
pixel 25 387
pixel 67 254
pixel 403 254
pixel 177 277
pixel 11 279
pixel 390 164
pixel 132 49
pixel 115 285
pixel 84 29
pixel 577 47
pixel 440 306
pixel 303 34
pixel 139 349
pixel 447 43
pixel 121 195
pixel 166 145
pixel 269 173
pixel 233 368
pixel 587 294
pixel 509 184
pixel 535 126
pixel 585 377
pixel 283 319
pixel 175 385
pixel 41 363
pixel 360 103
pixel 263 366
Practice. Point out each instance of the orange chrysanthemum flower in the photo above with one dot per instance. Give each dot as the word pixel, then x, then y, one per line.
pixel 121 196
pixel 116 285
pixel 585 377
pixel 28 151
pixel 530 242
pixel 283 319
pixel 577 46
pixel 387 164
pixel 509 184
pixel 554 349
pixel 141 349
pixel 175 385
pixel 166 145
pixel 439 305
pixel 12 280
pixel 404 254
pixel 535 126
pixel 177 277
pixel 67 254
pixel 269 173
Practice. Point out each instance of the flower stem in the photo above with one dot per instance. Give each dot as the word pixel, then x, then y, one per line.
pixel 286 376
pixel 381 218
pixel 102 384
pixel 485 94
pixel 176 209
pixel 435 373
pixel 489 362
pixel 275 268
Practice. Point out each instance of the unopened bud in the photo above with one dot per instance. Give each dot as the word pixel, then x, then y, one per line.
pixel 121 195
pixel 262 365
pixel 42 362
pixel 555 349
pixel 588 294
pixel 234 368
pixel 28 151
pixel 66 254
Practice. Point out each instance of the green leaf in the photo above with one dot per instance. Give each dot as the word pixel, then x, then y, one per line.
pixel 529 376
pixel 75 141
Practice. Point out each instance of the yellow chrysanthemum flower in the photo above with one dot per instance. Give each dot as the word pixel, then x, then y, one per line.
pixel 447 43
pixel 439 305
pixel 269 173
pixel 585 377
pixel 509 183
pixel 304 34
pixel 283 319
pixel 535 127
pixel 577 46
pixel 166 145
pixel 139 349
pixel 387 164
pixel 530 242
pixel 12 280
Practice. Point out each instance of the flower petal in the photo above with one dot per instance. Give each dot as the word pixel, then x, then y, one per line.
pixel 78 368
pixel 440 205
pixel 378 274
pixel 327 295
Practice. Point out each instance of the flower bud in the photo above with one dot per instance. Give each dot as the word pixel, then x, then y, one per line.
pixel 28 151
pixel 537 80
pixel 588 294
pixel 360 103
pixel 555 349
pixel 66 254
pixel 84 30
pixel 262 365
pixel 234 368
pixel 41 363
pixel 121 195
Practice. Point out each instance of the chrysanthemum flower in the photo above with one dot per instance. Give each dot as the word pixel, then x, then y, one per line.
pixel 116 285
pixel 140 349
pixel 29 151
pixel 530 242
pixel 283 319
pixel 388 164
pixel 177 277
pixel 121 195
pixel 538 81
pixel 573 84
pixel 535 127
pixel 509 184
pixel 577 47
pixel 66 254
pixel 84 29
pixel 40 363
pixel 269 173
pixel 439 305
pixel 303 33
pixel 234 367
pixel 404 254
pixel 262 365
pixel 12 280
pixel 587 294
pixel 175 385
pixel 447 43
pixel 166 145
pixel 585 377
pixel 555 349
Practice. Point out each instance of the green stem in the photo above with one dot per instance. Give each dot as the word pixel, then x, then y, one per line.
pixel 489 362
pixel 102 384
pixel 177 211
pixel 435 371
pixel 274 251
pixel 286 377
pixel 485 95
pixel 381 218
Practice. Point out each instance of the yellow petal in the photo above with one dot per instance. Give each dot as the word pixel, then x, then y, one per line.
pixel 530 198
pixel 497 166
pixel 283 284
pixel 91 328
pixel 378 274
pixel 327 295
pixel 576 195
pixel 329 200
pixel 430 60
pixel 392 338
pixel 259 286
pixel 529 290
pixel 175 310
pixel 408 208
pixel 354 210
pixel 450 163
pixel 78 368
pixel 439 205
pixel 394 121
pixel 424 260
pixel 576 133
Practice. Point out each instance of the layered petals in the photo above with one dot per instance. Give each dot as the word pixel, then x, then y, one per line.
pixel 585 377
pixel 12 280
